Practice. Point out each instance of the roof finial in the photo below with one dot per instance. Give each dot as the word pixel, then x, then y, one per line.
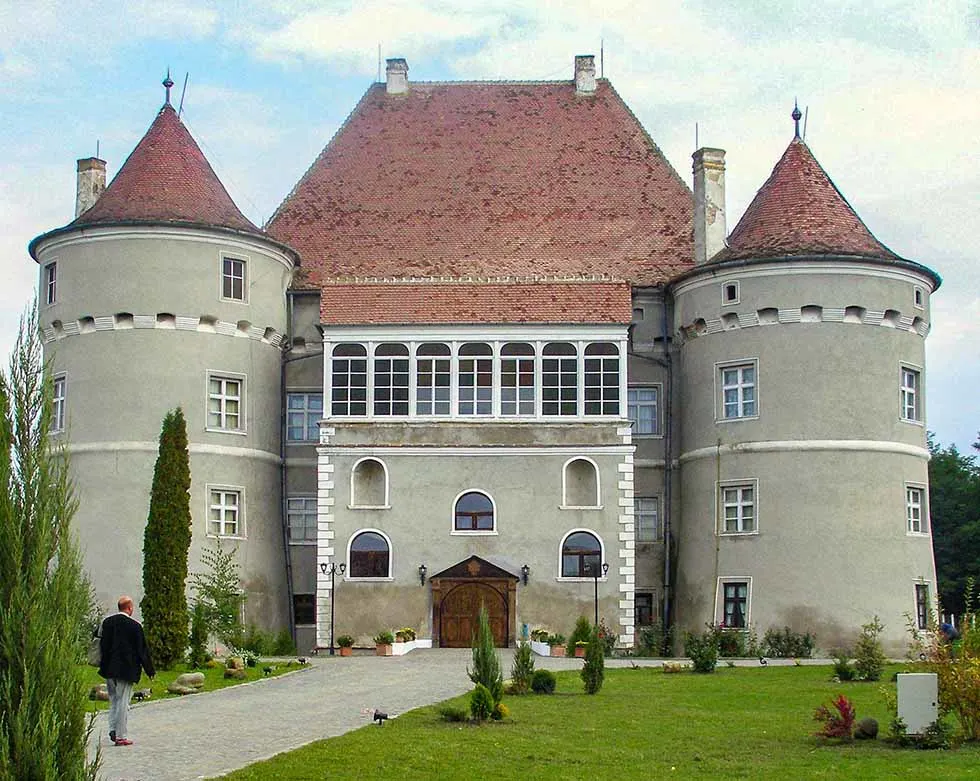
pixel 796 116
pixel 168 83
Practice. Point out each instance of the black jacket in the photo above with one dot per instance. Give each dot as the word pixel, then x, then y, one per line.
pixel 124 649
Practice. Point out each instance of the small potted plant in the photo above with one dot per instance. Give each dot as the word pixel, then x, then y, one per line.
pixel 405 635
pixel 346 645
pixel 557 643
pixel 580 649
pixel 382 643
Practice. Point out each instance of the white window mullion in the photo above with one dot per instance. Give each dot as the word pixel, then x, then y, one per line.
pixel 371 346
pixel 580 377
pixel 538 384
pixel 495 382
pixel 623 378
pixel 413 378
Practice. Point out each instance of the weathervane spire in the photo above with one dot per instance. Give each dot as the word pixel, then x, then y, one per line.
pixel 796 116
pixel 168 83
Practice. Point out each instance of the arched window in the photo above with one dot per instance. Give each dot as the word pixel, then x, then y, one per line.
pixel 517 379
pixel 475 379
pixel 370 556
pixel 348 380
pixel 581 555
pixel 559 379
pixel 433 366
pixel 602 379
pixel 391 379
pixel 580 483
pixel 369 484
pixel 473 513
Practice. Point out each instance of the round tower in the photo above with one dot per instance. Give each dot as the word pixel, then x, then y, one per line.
pixel 162 294
pixel 803 463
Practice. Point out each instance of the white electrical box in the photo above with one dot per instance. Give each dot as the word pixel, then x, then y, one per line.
pixel 918 700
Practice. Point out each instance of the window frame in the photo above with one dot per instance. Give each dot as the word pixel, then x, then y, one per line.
pixel 364 371
pixel 50 283
pixel 225 490
pixel 925 527
pixel 456 531
pixel 922 607
pixel 637 514
pixel 657 388
pixel 751 483
pixel 395 363
pixel 653 611
pixel 59 403
pixel 306 499
pixel 918 297
pixel 721 387
pixel 561 556
pixel 223 376
pixel 312 607
pixel 306 412
pixel 910 369
pixel 724 292
pixel 349 573
pixel 720 611
pixel 228 257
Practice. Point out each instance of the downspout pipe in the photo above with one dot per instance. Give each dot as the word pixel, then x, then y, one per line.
pixel 668 469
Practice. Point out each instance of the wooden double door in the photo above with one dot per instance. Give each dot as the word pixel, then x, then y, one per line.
pixel 457 596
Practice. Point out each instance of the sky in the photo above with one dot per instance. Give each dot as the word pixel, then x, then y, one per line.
pixel 890 90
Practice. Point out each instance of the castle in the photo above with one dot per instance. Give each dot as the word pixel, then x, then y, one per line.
pixel 492 349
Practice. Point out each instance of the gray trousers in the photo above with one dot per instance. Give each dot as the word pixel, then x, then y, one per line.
pixel 120 693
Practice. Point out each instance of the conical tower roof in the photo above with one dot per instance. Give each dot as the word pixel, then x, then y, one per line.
pixel 166 179
pixel 800 211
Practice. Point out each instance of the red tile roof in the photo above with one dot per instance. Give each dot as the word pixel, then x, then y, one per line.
pixel 489 179
pixel 166 178
pixel 475 301
pixel 799 211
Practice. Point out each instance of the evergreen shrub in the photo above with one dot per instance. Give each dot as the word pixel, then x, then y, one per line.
pixel 702 648
pixel 869 658
pixel 198 637
pixel 481 703
pixel 580 634
pixel 543 682
pixel 787 644
pixel 522 669
pixel 486 660
pixel 593 671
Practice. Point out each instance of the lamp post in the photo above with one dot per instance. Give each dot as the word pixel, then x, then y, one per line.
pixel 332 569
pixel 595 579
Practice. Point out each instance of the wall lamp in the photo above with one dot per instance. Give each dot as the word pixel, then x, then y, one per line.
pixel 422 571
pixel 525 571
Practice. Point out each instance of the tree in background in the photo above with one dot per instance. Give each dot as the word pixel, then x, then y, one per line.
pixel 44 595
pixel 219 590
pixel 954 509
pixel 166 541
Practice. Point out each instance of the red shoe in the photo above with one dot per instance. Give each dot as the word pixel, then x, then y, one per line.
pixel 124 742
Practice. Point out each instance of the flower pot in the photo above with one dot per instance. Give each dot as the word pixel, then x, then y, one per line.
pixel 557 650
pixel 346 650
pixel 382 649
pixel 580 651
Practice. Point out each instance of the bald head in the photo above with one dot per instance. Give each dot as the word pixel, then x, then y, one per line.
pixel 125 604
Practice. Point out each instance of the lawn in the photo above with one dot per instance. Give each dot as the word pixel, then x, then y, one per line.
pixel 213 679
pixel 751 723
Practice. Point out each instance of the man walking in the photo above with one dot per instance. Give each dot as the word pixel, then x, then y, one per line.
pixel 124 653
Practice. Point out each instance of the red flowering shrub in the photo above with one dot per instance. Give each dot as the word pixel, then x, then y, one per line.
pixel 839 725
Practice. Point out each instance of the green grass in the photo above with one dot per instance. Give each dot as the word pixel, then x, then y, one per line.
pixel 213 679
pixel 744 723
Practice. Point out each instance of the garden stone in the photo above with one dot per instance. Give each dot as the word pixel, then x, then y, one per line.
pixel 236 673
pixel 176 688
pixel 235 663
pixel 190 679
pixel 866 729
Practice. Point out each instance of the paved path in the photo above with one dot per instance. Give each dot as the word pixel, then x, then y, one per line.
pixel 206 735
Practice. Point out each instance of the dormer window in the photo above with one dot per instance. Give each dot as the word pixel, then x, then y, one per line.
pixel 729 293
pixel 233 279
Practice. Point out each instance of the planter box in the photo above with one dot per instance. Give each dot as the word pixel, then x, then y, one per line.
pixel 346 650
pixel 580 652
pixel 541 649
pixel 557 650
pixel 382 650
pixel 400 649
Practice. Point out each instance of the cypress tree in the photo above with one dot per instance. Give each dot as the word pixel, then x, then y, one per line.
pixel 44 595
pixel 166 542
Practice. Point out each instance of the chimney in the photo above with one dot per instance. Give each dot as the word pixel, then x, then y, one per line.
pixel 396 74
pixel 91 184
pixel 709 203
pixel 584 74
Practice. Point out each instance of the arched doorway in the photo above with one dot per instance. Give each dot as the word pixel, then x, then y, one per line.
pixel 457 595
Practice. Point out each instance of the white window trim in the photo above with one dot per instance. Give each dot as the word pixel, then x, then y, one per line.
pixel 302 392
pixel 920 396
pixel 242 407
pixel 391 557
pixel 353 471
pixel 720 395
pixel 291 540
pixel 724 290
pixel 564 486
pixel 240 490
pixel 246 262
pixel 720 485
pixel 719 611
pixel 925 520
pixel 602 557
pixel 918 295
pixel 46 286
pixel 660 418
pixel 658 537
pixel 453 531
pixel 59 426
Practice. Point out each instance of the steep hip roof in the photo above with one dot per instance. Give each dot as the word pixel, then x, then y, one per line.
pixel 489 180
pixel 166 178
pixel 800 211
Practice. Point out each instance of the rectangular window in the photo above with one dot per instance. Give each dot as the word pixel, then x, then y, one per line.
pixel 646 517
pixel 738 391
pixel 348 380
pixel 643 405
pixel 233 279
pixel 304 609
pixel 915 510
pixel 50 283
pixel 644 608
pixel 602 379
pixel 301 515
pixel 475 386
pixel 730 293
pixel 225 512
pixel 922 605
pixel 433 389
pixel 738 508
pixel 736 604
pixel 59 397
pixel 910 395
pixel 517 380
pixel 225 396
pixel 391 380
pixel 303 412
pixel 559 380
